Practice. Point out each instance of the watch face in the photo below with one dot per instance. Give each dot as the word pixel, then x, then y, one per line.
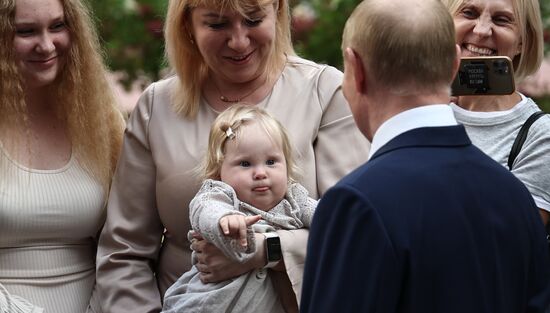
pixel 273 249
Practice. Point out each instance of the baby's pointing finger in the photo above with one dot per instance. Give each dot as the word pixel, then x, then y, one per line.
pixel 224 224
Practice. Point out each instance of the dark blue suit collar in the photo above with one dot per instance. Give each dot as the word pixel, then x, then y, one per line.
pixel 446 136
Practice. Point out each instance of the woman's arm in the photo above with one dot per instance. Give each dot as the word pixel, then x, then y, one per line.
pixel 339 147
pixel 531 165
pixel 293 248
pixel 215 266
pixel 131 238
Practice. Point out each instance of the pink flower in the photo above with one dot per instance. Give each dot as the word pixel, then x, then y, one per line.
pixel 303 19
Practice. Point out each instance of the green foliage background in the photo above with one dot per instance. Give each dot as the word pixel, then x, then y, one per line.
pixel 131 31
pixel 324 40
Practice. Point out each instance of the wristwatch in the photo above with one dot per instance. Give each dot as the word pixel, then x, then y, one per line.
pixel 272 249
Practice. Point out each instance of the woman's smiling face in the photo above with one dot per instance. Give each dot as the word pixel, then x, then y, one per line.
pixel 488 28
pixel 41 40
pixel 234 47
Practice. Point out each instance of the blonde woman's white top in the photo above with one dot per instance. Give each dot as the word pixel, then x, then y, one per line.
pixel 48 223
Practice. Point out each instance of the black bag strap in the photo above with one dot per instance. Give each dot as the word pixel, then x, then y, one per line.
pixel 522 135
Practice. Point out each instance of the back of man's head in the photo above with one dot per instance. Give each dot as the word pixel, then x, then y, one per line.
pixel 407 46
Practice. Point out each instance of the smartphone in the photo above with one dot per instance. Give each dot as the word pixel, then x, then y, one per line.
pixel 484 76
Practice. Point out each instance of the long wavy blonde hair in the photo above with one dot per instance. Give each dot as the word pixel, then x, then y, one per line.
pixel 186 60
pixel 84 98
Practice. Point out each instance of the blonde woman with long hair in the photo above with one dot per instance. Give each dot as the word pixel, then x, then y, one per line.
pixel 60 135
pixel 222 52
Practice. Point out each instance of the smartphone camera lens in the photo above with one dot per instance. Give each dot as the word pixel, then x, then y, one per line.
pixel 501 67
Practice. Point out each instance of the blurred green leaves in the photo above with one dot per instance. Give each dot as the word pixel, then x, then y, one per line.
pixel 323 42
pixel 131 32
pixel 132 36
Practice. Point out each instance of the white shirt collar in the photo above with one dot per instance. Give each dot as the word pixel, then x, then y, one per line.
pixel 434 115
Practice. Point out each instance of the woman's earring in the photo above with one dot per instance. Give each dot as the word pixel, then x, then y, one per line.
pixel 520 46
pixel 191 39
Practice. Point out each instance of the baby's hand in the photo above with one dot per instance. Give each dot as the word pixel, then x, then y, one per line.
pixel 236 225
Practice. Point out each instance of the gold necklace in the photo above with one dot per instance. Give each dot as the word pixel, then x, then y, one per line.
pixel 227 100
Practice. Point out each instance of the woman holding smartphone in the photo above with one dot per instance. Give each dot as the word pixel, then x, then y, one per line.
pixel 509 28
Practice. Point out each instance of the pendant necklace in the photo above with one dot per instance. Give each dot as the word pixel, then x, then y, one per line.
pixel 228 100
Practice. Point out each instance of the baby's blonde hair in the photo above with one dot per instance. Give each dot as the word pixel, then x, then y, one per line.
pixel 232 121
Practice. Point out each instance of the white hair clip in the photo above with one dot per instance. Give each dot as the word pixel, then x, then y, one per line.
pixel 229 133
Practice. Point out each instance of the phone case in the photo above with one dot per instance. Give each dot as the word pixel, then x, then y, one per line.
pixel 484 76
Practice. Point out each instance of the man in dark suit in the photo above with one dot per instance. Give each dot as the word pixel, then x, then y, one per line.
pixel 429 223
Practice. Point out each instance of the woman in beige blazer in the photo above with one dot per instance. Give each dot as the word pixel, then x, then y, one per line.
pixel 222 52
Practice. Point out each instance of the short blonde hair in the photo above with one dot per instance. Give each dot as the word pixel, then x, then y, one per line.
pixel 238 117
pixel 186 60
pixel 83 95
pixel 527 13
pixel 408 52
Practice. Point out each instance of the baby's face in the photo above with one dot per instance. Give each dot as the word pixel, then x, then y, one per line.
pixel 255 166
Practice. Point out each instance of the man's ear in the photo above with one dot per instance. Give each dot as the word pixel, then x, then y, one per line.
pixel 353 63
